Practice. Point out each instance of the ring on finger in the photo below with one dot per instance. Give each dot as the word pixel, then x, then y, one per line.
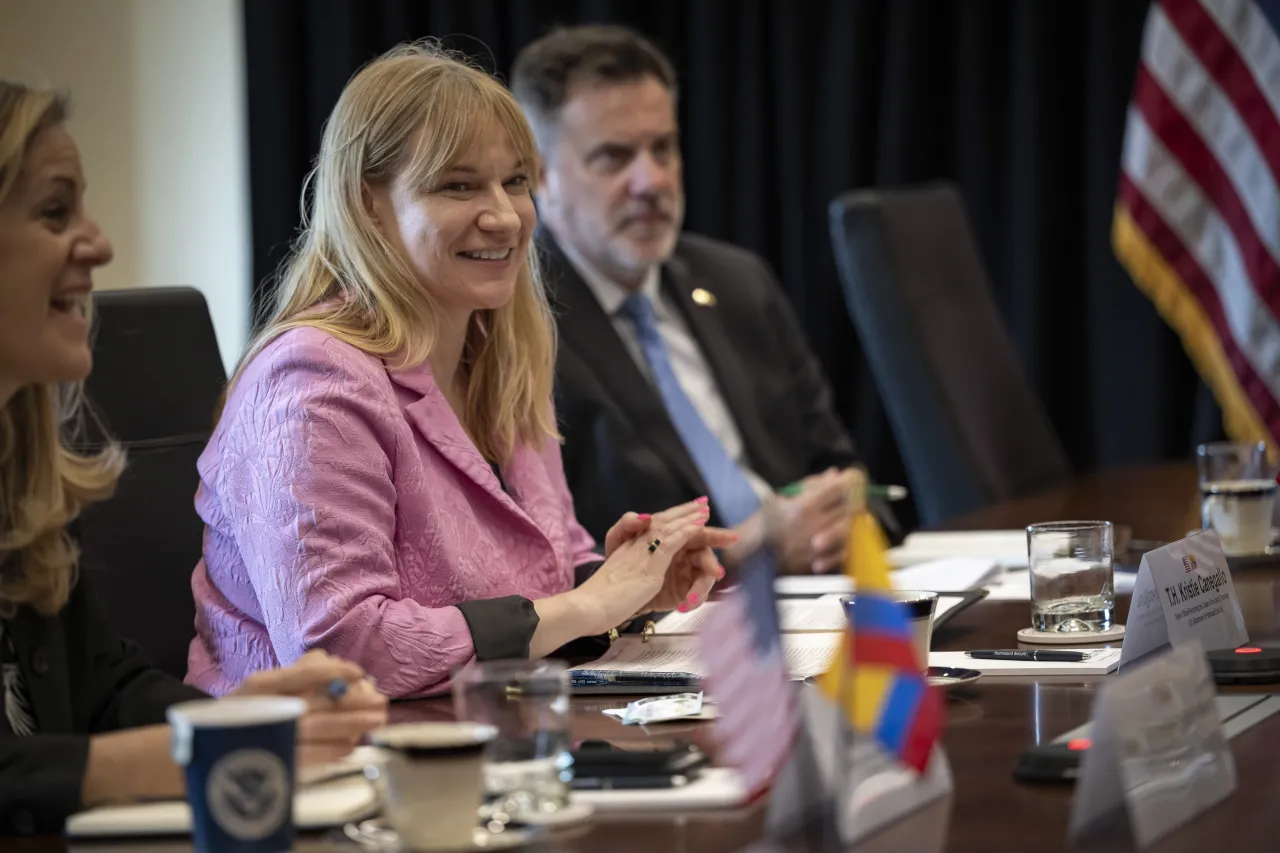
pixel 653 545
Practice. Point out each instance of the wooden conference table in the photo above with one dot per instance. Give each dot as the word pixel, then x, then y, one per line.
pixel 988 723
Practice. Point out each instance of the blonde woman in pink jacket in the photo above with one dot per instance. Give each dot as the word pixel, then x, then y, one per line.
pixel 385 480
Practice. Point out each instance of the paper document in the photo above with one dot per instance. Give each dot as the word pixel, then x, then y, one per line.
pixel 951 574
pixel 794 615
pixel 1099 662
pixel 1008 547
pixel 807 654
pixel 811 586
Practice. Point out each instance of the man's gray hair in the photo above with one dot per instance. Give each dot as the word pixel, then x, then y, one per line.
pixel 546 69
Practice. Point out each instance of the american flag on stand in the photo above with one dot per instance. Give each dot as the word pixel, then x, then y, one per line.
pixel 746 674
pixel 1197 219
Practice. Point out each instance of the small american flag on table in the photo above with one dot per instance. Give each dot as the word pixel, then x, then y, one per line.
pixel 746 674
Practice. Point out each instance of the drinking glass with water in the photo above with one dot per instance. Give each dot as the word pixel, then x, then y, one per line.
pixel 1237 494
pixel 1072 581
pixel 528 766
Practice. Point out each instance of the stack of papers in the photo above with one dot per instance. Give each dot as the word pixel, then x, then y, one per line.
pixel 949 574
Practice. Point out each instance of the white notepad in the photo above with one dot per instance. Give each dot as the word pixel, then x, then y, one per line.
pixel 1100 662
pixel 806 654
pixel 332 803
pixel 1007 547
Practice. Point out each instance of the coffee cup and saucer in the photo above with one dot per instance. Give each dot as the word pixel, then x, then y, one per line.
pixel 430 780
pixel 1237 499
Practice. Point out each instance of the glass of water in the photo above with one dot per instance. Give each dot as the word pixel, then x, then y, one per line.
pixel 528 766
pixel 1237 494
pixel 1072 582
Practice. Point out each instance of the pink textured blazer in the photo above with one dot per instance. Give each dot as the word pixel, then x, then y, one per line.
pixel 346 509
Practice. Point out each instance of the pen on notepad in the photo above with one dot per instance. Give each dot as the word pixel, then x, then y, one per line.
pixel 1045 655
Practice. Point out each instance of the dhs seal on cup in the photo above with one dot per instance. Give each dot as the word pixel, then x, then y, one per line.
pixel 239 760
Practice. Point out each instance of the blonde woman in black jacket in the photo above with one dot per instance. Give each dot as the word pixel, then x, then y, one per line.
pixel 81 712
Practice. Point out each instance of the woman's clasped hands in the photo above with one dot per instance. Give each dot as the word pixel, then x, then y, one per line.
pixel 659 562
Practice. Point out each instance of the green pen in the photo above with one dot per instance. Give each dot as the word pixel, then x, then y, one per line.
pixel 892 493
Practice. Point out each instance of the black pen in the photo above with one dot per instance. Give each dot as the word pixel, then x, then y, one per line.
pixel 1054 655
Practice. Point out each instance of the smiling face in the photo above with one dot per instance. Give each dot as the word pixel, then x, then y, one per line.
pixel 49 248
pixel 466 234
pixel 611 190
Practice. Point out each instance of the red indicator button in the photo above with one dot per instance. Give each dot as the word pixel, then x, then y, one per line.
pixel 1078 744
pixel 1248 650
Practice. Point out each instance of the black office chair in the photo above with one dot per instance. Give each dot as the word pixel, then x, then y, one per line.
pixel 971 430
pixel 156 379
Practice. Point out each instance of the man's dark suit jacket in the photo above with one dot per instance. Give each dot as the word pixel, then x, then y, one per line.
pixel 621 450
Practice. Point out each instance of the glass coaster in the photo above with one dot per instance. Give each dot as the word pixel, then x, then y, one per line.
pixel 1071 638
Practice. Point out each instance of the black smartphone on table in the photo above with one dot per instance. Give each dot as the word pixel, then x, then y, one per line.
pixel 602 766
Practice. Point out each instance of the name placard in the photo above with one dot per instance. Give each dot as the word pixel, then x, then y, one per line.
pixel 1159 752
pixel 1183 592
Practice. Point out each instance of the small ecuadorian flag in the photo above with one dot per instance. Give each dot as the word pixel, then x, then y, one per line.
pixel 876 677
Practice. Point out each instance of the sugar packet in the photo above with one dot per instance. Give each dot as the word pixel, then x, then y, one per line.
pixel 658 709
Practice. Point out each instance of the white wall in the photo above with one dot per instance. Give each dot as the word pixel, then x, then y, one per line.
pixel 159 113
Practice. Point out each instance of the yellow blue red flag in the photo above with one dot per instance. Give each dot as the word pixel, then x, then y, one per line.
pixel 876 678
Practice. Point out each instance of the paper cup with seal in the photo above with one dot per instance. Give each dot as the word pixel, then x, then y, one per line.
pixel 918 607
pixel 238 754
pixel 430 777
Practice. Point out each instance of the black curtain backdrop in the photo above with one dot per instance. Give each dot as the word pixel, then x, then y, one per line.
pixel 785 104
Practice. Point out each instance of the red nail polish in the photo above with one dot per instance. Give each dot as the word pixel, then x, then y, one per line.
pixel 683 608
pixel 720 569
pixel 693 599
pixel 701 522
pixel 702 500
pixel 643 516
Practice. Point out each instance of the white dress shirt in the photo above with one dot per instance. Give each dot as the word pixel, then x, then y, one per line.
pixel 690 366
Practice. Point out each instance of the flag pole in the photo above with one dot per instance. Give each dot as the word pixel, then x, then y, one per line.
pixel 844 745
pixel 846 687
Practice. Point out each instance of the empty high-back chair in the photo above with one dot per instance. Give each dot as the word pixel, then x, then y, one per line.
pixel 970 428
pixel 156 378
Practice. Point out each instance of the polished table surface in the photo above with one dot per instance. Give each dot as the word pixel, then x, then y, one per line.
pixel 988 723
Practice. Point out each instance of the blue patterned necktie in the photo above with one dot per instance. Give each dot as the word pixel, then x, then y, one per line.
pixel 731 494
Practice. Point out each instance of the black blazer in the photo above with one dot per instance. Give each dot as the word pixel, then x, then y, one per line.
pixel 621 450
pixel 82 680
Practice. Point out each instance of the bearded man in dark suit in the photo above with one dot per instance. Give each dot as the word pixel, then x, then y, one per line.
pixel 682 370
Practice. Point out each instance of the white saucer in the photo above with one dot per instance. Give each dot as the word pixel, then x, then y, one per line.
pixel 1071 638
pixel 1269 551
pixel 375 835
pixel 575 812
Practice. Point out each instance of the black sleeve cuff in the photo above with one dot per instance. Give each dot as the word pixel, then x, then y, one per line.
pixel 584 571
pixel 501 628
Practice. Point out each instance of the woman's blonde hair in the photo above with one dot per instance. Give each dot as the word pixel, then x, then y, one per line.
pixel 416 110
pixel 43 483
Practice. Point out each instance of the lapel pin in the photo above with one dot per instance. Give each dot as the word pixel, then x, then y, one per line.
pixel 703 297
